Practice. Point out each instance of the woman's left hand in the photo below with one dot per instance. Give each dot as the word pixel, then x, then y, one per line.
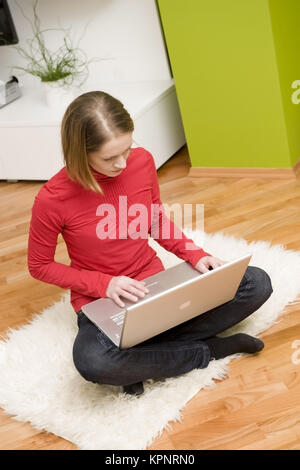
pixel 207 261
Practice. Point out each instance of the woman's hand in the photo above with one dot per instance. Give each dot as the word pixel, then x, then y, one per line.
pixel 127 287
pixel 204 263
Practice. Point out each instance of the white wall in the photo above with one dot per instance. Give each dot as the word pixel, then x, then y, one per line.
pixel 127 32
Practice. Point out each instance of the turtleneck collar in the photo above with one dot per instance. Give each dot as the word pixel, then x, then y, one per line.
pixel 101 177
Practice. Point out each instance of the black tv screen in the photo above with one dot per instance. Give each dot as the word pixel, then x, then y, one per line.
pixel 8 34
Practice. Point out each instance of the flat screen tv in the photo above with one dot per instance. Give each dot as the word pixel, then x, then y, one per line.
pixel 8 34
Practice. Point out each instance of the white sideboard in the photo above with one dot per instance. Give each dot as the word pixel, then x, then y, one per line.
pixel 30 145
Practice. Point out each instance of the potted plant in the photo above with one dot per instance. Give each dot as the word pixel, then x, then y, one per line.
pixel 58 71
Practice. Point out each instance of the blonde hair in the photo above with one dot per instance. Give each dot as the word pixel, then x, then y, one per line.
pixel 90 120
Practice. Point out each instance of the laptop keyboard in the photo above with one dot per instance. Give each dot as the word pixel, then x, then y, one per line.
pixel 118 318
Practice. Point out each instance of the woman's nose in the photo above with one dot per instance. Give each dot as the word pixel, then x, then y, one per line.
pixel 121 163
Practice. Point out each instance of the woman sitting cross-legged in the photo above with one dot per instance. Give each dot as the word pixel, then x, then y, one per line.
pixel 102 175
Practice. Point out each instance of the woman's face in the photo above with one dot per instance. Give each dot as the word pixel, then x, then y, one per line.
pixel 111 158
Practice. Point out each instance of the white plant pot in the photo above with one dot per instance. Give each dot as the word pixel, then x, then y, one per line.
pixel 57 95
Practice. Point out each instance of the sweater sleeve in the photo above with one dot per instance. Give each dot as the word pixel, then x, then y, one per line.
pixel 45 225
pixel 177 242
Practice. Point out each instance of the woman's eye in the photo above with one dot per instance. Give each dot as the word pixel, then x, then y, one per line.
pixel 109 159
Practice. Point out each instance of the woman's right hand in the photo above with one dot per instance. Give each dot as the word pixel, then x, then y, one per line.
pixel 127 287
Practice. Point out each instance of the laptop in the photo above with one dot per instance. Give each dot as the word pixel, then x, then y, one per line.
pixel 175 296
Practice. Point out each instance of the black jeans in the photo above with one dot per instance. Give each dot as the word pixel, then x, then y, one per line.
pixel 173 352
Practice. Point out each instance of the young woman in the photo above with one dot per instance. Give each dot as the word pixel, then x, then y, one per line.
pixel 101 169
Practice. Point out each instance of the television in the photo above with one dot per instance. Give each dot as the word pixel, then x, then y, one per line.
pixel 8 34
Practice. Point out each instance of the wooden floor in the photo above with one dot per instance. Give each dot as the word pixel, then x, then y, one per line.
pixel 258 405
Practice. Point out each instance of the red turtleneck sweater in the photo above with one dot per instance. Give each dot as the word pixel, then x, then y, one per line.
pixel 63 206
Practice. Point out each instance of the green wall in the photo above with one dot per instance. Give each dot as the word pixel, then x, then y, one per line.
pixel 226 70
pixel 285 18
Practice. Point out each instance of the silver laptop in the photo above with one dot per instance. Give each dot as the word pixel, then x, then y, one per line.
pixel 175 296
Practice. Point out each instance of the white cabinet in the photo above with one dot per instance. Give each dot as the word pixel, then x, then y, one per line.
pixel 30 146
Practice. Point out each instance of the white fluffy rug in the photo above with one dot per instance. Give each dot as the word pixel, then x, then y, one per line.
pixel 39 382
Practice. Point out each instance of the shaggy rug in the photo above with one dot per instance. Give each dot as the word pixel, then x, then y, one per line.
pixel 39 382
